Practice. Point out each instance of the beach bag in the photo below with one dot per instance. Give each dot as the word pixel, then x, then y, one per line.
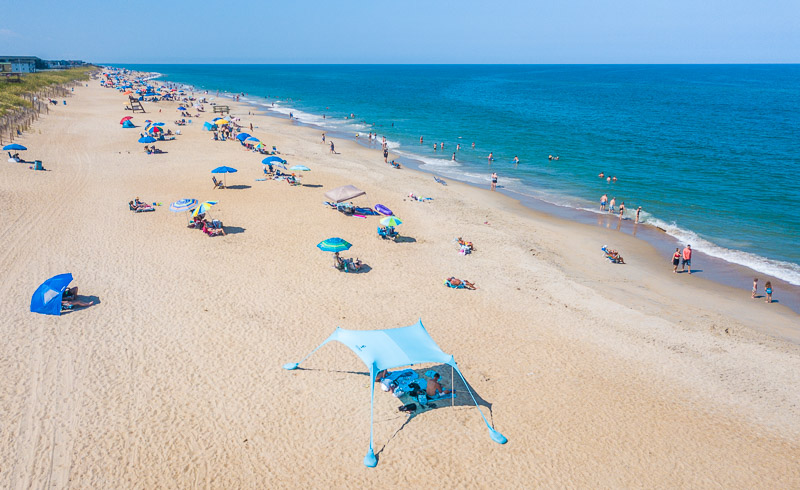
pixel 422 398
pixel 411 407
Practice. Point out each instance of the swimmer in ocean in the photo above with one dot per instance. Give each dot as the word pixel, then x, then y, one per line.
pixel 516 160
pixel 491 156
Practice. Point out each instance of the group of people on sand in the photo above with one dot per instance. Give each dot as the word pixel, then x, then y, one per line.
pixel 683 258
pixel 210 228
pixel 767 290
pixel 348 265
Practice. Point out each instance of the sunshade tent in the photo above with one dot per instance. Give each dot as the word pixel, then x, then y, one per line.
pixel 392 348
pixel 242 136
pixel 47 297
pixel 344 193
pixel 147 139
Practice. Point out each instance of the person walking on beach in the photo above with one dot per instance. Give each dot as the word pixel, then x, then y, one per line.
pixel 323 138
pixel 494 180
pixel 755 288
pixel 676 260
pixel 385 155
pixel 332 150
pixel 768 290
pixel 603 202
pixel 687 258
pixel 611 204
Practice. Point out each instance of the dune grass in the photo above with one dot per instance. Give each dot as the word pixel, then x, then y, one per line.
pixel 11 93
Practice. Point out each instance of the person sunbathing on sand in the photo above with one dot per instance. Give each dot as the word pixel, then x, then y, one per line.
pixel 75 302
pixel 457 282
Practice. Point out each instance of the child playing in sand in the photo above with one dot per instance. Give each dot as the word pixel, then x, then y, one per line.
pixel 755 287
pixel 768 290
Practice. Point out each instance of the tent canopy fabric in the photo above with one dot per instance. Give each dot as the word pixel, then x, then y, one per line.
pixel 392 348
pixel 344 193
pixel 47 297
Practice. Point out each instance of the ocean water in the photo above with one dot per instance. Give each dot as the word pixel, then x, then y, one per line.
pixel 710 152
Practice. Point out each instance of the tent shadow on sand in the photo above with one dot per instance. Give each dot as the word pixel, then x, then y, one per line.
pixel 463 400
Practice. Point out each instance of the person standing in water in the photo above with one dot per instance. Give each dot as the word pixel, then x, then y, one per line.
pixel 603 202
pixel 434 147
pixel 494 180
pixel 473 145
pixel 516 160
pixel 454 156
pixel 638 210
pixel 420 140
pixel 621 209
pixel 491 157
pixel 612 204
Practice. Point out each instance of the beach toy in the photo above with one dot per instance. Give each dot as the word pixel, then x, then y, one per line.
pixel 383 209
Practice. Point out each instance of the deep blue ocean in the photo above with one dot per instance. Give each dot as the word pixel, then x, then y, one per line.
pixel 710 152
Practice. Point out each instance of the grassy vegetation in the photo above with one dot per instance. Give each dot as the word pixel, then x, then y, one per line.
pixel 10 93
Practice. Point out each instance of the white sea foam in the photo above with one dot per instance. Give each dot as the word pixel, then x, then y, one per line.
pixel 445 167
pixel 786 271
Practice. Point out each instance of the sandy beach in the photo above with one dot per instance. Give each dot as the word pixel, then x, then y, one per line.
pixel 600 375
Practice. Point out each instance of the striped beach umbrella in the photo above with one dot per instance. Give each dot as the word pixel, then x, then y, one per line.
pixel 183 205
pixel 391 221
pixel 334 244
pixel 203 207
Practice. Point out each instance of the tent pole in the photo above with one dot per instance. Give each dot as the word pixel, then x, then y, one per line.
pixel 370 460
pixel 496 436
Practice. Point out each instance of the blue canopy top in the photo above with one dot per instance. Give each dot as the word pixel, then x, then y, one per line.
pixel 14 146
pixel 242 136
pixel 224 170
pixel 392 347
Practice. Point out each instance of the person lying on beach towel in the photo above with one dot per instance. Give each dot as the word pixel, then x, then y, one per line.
pixel 212 230
pixel 415 198
pixel 139 206
pixel 454 283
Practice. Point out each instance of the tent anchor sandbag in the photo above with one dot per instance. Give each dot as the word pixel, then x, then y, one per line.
pixel 392 348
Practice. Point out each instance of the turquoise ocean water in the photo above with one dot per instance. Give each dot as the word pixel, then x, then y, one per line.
pixel 710 152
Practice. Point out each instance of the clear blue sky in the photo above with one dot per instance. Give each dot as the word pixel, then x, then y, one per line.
pixel 410 31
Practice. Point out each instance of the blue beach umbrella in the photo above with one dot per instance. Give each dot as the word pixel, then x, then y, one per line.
pixel 242 136
pixel 252 140
pixel 47 298
pixel 14 146
pixel 225 171
pixel 334 245
pixel 181 108
pixel 273 160
pixel 183 205
pixel 147 139
pixel 300 167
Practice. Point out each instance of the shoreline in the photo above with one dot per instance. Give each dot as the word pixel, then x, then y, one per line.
pixel 599 375
pixel 719 270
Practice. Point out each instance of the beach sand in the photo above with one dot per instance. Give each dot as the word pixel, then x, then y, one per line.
pixel 600 375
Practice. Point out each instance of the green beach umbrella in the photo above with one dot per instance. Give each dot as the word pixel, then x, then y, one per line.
pixel 391 221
